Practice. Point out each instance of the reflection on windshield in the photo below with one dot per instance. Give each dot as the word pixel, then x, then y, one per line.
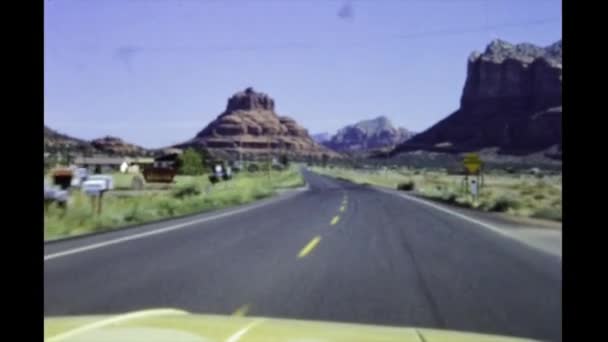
pixel 370 163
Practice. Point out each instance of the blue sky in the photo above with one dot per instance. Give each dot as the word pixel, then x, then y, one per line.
pixel 155 72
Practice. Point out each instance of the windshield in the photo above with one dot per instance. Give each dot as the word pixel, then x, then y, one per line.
pixel 392 163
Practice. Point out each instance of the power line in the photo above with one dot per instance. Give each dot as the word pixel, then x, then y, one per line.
pixel 344 44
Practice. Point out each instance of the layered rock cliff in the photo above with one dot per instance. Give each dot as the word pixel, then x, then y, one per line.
pixel 511 101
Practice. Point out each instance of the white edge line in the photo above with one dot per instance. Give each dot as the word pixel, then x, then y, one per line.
pixel 239 333
pixel 157 231
pixel 469 219
pixel 112 320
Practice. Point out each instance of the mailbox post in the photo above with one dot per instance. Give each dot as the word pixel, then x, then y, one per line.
pixel 95 186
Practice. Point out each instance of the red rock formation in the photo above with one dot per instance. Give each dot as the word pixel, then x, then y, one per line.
pixel 250 125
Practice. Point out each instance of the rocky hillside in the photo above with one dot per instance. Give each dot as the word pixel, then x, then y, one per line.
pixel 366 135
pixel 116 146
pixel 251 126
pixel 511 102
pixel 55 142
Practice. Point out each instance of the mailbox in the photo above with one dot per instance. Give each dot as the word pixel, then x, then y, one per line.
pixel 62 178
pixel 61 196
pixel 94 187
pixel 55 194
pixel 49 192
pixel 81 173
pixel 106 179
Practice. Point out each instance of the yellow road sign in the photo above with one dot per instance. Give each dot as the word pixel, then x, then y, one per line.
pixel 472 162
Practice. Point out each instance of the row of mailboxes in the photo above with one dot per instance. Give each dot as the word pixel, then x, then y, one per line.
pixel 90 184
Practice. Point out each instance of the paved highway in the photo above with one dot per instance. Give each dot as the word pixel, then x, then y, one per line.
pixel 336 252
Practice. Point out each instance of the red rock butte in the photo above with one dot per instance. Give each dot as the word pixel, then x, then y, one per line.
pixel 249 125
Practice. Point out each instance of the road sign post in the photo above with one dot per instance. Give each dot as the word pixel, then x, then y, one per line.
pixel 99 201
pixel 473 166
pixel 95 186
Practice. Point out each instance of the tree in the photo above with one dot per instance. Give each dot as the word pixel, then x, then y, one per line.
pixel 284 160
pixel 191 163
pixel 325 158
pixel 206 158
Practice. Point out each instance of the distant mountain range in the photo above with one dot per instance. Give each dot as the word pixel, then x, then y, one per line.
pixel 321 137
pixel 511 104
pixel 366 135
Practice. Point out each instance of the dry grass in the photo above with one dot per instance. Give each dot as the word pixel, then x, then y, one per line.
pixel 520 195
pixel 189 194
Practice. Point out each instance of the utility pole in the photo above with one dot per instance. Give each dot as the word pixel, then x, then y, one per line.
pixel 240 151
pixel 269 155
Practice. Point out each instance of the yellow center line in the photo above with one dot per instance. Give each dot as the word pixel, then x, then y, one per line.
pixel 342 208
pixel 242 311
pixel 335 220
pixel 309 246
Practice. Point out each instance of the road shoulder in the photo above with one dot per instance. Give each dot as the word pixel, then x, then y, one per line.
pixel 545 237
pixel 542 235
pixel 57 246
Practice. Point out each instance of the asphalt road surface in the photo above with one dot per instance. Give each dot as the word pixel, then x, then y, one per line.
pixel 336 252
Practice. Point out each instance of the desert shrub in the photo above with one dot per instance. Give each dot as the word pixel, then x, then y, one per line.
pixel 539 197
pixel 504 203
pixel 137 183
pixel 133 214
pixel 167 208
pixel 449 197
pixel 186 190
pixel 406 186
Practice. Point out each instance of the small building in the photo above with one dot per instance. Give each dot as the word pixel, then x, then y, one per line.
pixel 168 159
pixel 100 164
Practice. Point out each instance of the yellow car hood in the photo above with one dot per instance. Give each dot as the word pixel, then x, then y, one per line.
pixel 180 326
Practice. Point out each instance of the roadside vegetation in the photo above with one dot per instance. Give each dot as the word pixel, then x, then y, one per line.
pixel 525 195
pixel 187 195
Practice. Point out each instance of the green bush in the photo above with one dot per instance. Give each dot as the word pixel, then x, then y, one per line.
pixel 253 168
pixel 539 197
pixel 167 208
pixel 191 163
pixel 449 197
pixel 133 214
pixel 186 190
pixel 214 178
pixel 406 186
